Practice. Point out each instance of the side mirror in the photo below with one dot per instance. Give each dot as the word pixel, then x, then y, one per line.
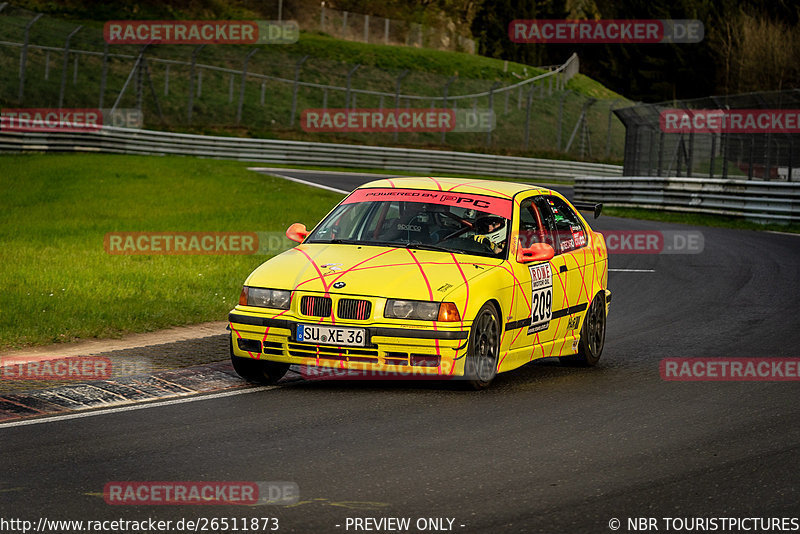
pixel 297 232
pixel 535 252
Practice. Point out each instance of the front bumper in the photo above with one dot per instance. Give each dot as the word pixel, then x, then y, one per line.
pixel 390 348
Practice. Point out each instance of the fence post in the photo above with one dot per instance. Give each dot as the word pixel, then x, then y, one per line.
pixel 133 72
pixel 325 98
pixel 294 90
pixel 711 156
pixel 241 87
pixel 494 86
pixel 47 65
pixel 608 132
pixel 528 116
pixel 191 82
pixel 103 75
pixel 166 80
pixel 23 59
pixel 450 80
pixel 560 119
pixel 386 31
pixel 75 70
pixel 280 10
pixel 146 69
pixel 140 81
pixel 230 88
pixel 347 92
pixel 263 90
pixel 397 97
pixel 366 28
pixel 65 66
pixel 344 25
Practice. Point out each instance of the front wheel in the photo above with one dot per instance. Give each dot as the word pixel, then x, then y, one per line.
pixel 258 371
pixel 480 367
pixel 593 335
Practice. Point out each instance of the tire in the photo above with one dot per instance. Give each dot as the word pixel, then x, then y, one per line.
pixel 258 371
pixel 480 366
pixel 593 335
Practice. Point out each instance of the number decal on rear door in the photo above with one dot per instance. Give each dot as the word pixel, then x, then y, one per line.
pixel 541 297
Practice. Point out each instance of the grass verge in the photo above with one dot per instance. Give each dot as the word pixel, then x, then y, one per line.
pixel 57 283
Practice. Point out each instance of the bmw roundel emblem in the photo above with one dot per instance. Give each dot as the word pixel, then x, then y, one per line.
pixel 339 285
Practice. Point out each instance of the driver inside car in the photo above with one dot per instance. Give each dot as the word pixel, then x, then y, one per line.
pixel 491 232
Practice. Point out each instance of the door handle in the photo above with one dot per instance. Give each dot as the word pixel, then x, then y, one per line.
pixel 562 269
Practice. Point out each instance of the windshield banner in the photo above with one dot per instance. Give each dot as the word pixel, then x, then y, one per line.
pixel 493 205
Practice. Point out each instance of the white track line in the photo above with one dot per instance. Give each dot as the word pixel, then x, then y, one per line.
pixel 312 184
pixel 631 270
pixel 312 171
pixel 134 407
pixel 782 233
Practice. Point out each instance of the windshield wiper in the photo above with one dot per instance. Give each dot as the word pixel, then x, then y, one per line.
pixel 430 246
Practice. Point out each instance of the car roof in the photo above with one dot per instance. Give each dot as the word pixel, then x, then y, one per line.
pixel 461 185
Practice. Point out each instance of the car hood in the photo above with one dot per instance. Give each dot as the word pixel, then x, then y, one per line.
pixel 370 271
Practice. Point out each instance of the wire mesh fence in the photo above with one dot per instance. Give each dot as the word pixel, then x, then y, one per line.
pixel 56 63
pixel 708 141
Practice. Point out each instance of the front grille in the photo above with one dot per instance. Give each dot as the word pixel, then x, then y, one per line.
pixel 270 347
pixel 396 358
pixel 354 309
pixel 425 360
pixel 316 306
pixel 305 350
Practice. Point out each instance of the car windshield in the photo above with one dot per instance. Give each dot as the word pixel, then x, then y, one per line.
pixel 430 220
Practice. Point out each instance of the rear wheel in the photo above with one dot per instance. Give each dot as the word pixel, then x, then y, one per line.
pixel 480 367
pixel 258 371
pixel 593 335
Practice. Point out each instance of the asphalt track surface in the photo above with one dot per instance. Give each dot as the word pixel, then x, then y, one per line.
pixel 546 449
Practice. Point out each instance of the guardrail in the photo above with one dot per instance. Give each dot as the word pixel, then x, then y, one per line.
pixel 776 202
pixel 134 141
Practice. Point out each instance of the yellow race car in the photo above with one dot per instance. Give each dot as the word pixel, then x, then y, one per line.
pixel 428 277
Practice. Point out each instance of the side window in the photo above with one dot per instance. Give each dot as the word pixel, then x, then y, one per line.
pixel 569 232
pixel 536 222
pixel 530 227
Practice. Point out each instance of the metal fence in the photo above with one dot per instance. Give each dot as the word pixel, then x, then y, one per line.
pixel 264 89
pixel 133 141
pixel 650 151
pixel 760 201
pixel 381 30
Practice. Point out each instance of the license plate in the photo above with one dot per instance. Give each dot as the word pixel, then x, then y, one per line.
pixel 331 335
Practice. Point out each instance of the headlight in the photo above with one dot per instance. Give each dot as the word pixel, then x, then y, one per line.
pixel 265 298
pixel 420 310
